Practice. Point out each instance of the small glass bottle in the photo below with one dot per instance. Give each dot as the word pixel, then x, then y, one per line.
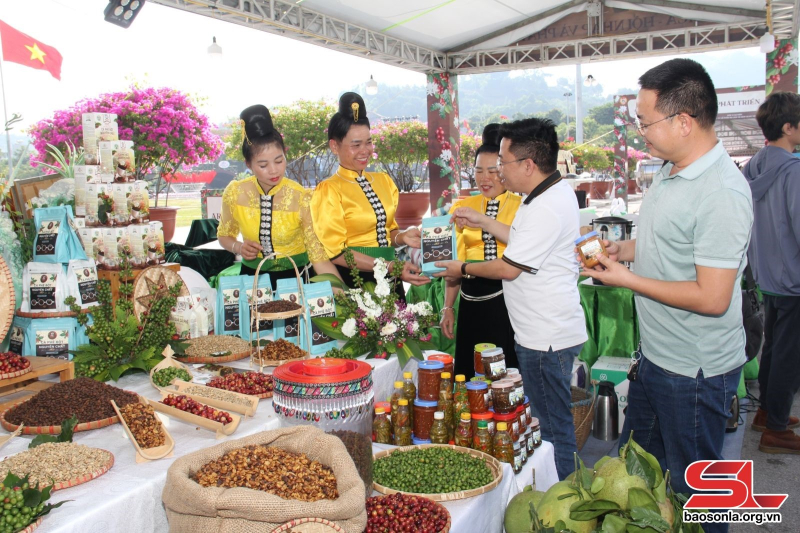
pixel 409 392
pixel 503 446
pixel 481 440
pixel 402 424
pixel 446 403
pixel 463 435
pixel 446 387
pixel 439 429
pixel 460 398
pixel 381 428
pixel 397 393
pixel 402 436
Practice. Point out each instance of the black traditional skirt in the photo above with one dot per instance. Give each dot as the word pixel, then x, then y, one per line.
pixel 482 317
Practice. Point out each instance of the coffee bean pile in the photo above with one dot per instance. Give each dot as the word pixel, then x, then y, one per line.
pixel 87 399
pixel 288 475
pixel 278 306
pixel 280 350
pixel 404 512
pixel 144 425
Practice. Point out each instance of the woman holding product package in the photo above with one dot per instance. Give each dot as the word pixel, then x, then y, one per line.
pixel 482 314
pixel 271 212
pixel 354 209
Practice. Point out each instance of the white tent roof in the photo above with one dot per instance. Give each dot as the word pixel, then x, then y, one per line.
pixel 471 36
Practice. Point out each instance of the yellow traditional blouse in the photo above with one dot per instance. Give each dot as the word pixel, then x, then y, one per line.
pixel 292 230
pixel 343 215
pixel 470 240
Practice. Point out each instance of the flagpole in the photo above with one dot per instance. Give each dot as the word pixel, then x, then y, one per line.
pixel 5 116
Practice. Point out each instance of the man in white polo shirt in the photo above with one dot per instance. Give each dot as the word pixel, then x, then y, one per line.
pixel 539 273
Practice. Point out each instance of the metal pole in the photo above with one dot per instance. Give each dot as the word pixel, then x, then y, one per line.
pixel 578 105
pixel 567 94
pixel 5 116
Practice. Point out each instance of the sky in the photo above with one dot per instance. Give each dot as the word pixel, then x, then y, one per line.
pixel 168 47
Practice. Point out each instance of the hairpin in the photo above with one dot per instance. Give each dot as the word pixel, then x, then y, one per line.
pixel 354 107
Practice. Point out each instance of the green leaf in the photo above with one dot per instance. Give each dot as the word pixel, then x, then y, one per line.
pixel 785 69
pixel 350 347
pixel 49 507
pixel 636 465
pixel 415 350
pixel 325 325
pixel 41 439
pixel 598 484
pixel 333 279
pixel 641 498
pixel 31 497
pixel 403 355
pixel 370 287
pixel 117 371
pixel 771 71
pixel 12 481
pixel 591 509
pixel 426 345
pixel 651 460
pixel 614 524
pixel 644 518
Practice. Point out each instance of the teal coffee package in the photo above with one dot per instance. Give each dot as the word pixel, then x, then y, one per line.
pixel 229 297
pixel 256 300
pixel 438 243
pixel 56 239
pixel 319 303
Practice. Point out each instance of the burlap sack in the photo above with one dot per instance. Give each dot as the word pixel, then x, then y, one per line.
pixel 192 508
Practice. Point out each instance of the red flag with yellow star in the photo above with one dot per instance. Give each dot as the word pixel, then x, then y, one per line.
pixel 25 50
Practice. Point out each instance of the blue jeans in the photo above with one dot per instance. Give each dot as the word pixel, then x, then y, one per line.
pixel 546 377
pixel 679 419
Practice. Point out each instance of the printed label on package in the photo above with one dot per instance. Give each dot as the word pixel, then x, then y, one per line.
pixel 320 307
pixel 48 235
pixel 290 325
pixel 437 244
pixel 43 292
pixel 231 309
pixel 87 284
pixel 52 343
pixel 262 298
pixel 16 340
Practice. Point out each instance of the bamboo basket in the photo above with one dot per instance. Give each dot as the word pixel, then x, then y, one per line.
pixel 80 480
pixel 8 298
pixel 52 430
pixel 246 410
pixel 48 314
pixel 215 360
pixel 582 407
pixel 18 372
pixel 447 526
pixel 144 455
pixel 300 313
pixel 308 525
pixel 166 363
pixel 32 526
pixel 259 396
pixel 494 465
pixel 217 427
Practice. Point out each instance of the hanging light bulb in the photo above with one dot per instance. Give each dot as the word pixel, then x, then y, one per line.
pixel 590 81
pixel 214 49
pixel 767 43
pixel 372 86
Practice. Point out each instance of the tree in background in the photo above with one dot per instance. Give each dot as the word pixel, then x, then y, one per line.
pixel 591 158
pixel 401 150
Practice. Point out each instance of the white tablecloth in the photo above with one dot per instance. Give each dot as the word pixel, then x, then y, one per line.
pixel 128 497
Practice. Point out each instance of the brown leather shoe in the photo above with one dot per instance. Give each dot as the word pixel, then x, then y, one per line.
pixel 760 421
pixel 780 442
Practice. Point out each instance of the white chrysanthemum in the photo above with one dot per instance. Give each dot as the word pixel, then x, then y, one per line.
pixel 413 327
pixel 380 269
pixel 447 155
pixel 349 327
pixel 382 289
pixel 389 328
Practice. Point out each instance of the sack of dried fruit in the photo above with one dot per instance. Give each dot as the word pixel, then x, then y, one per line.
pixel 191 507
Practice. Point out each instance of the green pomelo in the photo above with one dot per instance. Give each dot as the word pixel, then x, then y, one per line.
pixel 551 509
pixel 518 513
pixel 617 482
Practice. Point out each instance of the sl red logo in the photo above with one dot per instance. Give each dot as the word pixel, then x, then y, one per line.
pixel 732 492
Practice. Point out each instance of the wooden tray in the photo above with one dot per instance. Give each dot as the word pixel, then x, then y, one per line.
pixel 259 396
pixel 18 373
pixel 247 410
pixel 167 362
pixel 52 430
pixel 28 384
pixel 45 314
pixel 222 359
pixel 87 477
pixel 144 455
pixel 279 316
pixel 494 465
pixel 6 438
pixel 308 525
pixel 220 429
pixel 8 299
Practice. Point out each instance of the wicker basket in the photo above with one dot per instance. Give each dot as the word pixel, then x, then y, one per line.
pixel 582 407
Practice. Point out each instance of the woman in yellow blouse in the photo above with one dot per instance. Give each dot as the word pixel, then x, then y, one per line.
pixel 482 314
pixel 271 212
pixel 354 209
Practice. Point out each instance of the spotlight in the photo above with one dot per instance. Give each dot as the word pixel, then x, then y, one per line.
pixel 372 86
pixel 122 12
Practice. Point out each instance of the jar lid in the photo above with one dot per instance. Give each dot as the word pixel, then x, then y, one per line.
pixel 534 421
pixel 416 441
pixel 483 424
pixel 466 416
pixel 316 378
pixel 477 376
pixel 503 384
pixel 481 346
pixel 324 366
pixel 438 415
pixel 460 378
pixel 492 352
pixel 515 378
pixel 431 365
pixel 386 406
pixel 380 411
pixel 477 385
pixel 445 375
pixel 585 237
pixel 512 370
pixel 443 357
pixel 402 401
pixel 425 403
pixel 483 416
pixel 506 417
pixel 502 426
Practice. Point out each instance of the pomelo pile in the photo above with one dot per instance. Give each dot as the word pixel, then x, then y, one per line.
pixel 625 493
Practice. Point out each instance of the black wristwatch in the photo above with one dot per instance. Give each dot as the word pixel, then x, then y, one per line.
pixel 464 272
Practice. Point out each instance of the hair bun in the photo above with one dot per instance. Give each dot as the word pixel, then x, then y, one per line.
pixel 491 134
pixel 347 106
pixel 257 121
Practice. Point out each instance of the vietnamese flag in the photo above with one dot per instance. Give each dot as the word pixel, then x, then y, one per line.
pixel 25 50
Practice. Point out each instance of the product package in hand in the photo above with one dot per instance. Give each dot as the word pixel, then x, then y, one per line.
pixel 438 243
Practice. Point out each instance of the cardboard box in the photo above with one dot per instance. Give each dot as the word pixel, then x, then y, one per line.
pixel 615 370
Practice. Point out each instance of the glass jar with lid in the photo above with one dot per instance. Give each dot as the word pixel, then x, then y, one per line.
pixel 446 360
pixel 478 396
pixel 478 360
pixel 429 376
pixel 511 421
pixel 487 416
pixel 502 392
pixel 537 432
pixel 494 363
pixel 423 417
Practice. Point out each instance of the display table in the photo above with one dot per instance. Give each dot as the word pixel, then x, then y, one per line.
pixel 128 497
pixel 611 323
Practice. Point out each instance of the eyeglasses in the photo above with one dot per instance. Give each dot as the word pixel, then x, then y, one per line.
pixel 500 163
pixel 641 128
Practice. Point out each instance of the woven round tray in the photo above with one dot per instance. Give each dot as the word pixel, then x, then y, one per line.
pixel 154 276
pixel 87 477
pixel 223 359
pixel 257 361
pixel 308 525
pixel 447 526
pixel 494 465
pixel 45 314
pixel 8 298
pixel 52 430
pixel 18 372
pixel 33 525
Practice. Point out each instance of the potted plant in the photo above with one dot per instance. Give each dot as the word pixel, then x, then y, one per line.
pixel 167 129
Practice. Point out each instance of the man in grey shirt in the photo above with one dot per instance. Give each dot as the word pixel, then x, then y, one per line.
pixel 694 229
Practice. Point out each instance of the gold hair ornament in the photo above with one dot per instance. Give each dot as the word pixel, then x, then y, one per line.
pixel 244 131
pixel 354 106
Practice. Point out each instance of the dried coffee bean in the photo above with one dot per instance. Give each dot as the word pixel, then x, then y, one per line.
pixel 278 306
pixel 55 462
pixel 280 350
pixel 216 344
pixel 144 425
